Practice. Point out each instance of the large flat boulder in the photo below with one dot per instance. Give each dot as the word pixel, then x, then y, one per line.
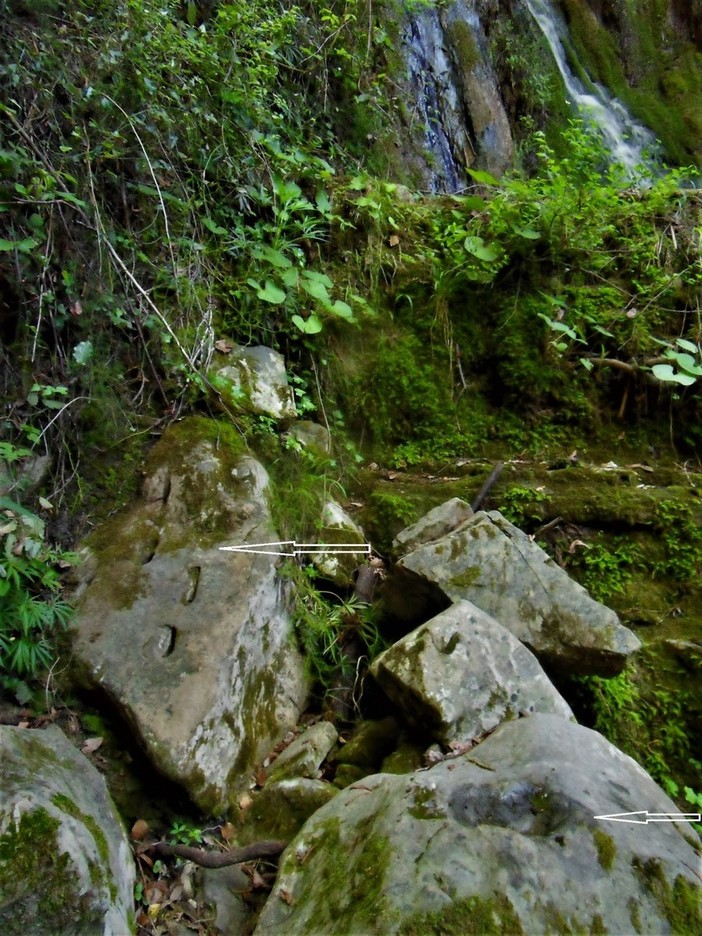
pixel 461 674
pixel 194 645
pixel 490 562
pixel 501 840
pixel 66 867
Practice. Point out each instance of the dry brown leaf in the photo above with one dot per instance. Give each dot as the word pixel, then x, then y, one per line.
pixel 227 830
pixel 286 896
pixel 226 347
pixel 139 830
pixel 91 745
pixel 393 240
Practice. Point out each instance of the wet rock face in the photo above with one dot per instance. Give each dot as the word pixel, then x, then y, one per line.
pixel 193 645
pixel 455 96
pixel 66 866
pixel 491 563
pixel 463 673
pixel 503 839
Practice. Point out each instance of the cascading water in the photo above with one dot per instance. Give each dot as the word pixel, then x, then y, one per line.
pixel 630 143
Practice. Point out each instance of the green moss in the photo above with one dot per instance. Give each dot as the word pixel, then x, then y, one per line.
pixel 347 893
pixel 472 916
pixel 680 904
pixel 463 45
pixel 38 883
pixel 66 805
pixel 606 849
pixel 634 914
pixel 466 579
pixel 424 806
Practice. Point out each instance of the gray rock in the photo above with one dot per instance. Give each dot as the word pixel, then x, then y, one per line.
pixel 492 563
pixel 461 674
pixel 66 867
pixel 224 889
pixel 194 645
pixel 254 380
pixel 283 806
pixel 437 523
pixel 338 527
pixel 502 839
pixel 303 757
pixel 311 436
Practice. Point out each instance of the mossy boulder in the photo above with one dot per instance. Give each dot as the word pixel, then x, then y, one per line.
pixel 194 645
pixel 504 839
pixel 66 867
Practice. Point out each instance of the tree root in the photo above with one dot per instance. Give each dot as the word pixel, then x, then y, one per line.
pixel 209 859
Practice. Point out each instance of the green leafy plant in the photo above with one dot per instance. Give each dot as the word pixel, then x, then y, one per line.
pixel 518 504
pixel 184 833
pixel 682 542
pixel 604 571
pixel 325 623
pixel 32 611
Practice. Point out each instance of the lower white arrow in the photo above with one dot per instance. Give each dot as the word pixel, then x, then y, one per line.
pixel 643 817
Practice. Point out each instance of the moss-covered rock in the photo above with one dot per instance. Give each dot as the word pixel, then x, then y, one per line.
pixel 66 867
pixel 503 840
pixel 193 644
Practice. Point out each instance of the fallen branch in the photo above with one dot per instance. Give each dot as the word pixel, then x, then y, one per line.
pixel 210 859
pixel 487 487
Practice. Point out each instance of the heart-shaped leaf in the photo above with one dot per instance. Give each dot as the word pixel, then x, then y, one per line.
pixel 309 326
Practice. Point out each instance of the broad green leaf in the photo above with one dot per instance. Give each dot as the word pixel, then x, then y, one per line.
pixel 323 203
pixel 82 352
pixel 318 277
pixel 527 233
pixel 588 365
pixel 478 248
pixel 357 184
pixel 666 373
pixel 24 246
pixel 342 310
pixel 271 293
pixel 688 364
pixel 310 326
pixel 316 290
pixel 687 346
pixel 603 331
pixel 275 257
pixel 213 226
pixel 484 178
pixel 290 278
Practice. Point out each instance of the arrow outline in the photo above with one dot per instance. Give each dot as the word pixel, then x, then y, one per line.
pixel 299 549
pixel 651 817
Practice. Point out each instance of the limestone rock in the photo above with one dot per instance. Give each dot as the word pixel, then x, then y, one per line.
pixel 194 645
pixel 66 867
pixel 303 757
pixel 492 563
pixel 254 380
pixel 437 523
pixel 461 674
pixel 513 848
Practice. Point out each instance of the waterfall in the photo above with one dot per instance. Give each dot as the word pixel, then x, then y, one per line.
pixel 629 143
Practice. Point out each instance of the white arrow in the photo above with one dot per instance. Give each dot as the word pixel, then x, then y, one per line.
pixel 299 549
pixel 643 817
